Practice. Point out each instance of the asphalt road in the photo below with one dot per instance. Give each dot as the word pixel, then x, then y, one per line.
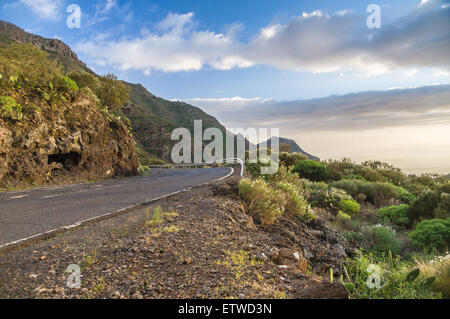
pixel 30 212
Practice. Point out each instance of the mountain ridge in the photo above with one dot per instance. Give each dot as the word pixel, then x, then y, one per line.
pixel 294 146
pixel 152 118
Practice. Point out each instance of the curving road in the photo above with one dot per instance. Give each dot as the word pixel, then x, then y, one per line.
pixel 31 212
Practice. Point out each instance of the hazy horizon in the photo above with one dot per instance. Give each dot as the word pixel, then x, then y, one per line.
pixel 409 128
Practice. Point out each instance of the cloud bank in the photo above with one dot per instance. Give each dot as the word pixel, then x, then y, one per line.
pixel 351 112
pixel 316 42
pixel 409 128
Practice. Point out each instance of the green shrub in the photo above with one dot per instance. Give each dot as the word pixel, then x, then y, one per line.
pixel 156 161
pixel 85 80
pixel 255 168
pixel 69 84
pixel 111 92
pixel 10 108
pixel 424 205
pixel 352 187
pixel 397 215
pixel 353 237
pixel 379 193
pixel 27 66
pixel 355 176
pixel 433 233
pixel 349 206
pixel 290 159
pixel 284 175
pixel 311 170
pixel 444 188
pixel 296 204
pixel 443 209
pixel 327 197
pixel 375 192
pixel 393 275
pixel 262 202
pixel 381 239
pixel 404 195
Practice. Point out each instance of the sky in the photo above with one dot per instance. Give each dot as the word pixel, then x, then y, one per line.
pixel 314 69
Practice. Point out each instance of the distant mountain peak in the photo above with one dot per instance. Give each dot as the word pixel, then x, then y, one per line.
pixel 294 147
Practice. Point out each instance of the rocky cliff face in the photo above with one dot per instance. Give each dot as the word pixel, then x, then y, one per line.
pixel 73 142
pixel 14 33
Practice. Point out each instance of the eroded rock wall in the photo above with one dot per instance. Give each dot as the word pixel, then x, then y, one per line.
pixel 73 141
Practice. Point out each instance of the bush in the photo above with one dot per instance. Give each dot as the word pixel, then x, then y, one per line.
pixel 395 279
pixel 424 205
pixel 311 170
pixel 445 188
pixel 327 197
pixel 404 195
pixel 443 209
pixel 432 234
pixel 284 175
pixel 255 168
pixel 290 159
pixel 397 215
pixel 26 66
pixel 69 84
pixel 262 202
pixel 85 80
pixel 296 204
pixel 352 187
pixel 10 108
pixel 380 239
pixel 353 237
pixel 111 92
pixel 349 206
pixel 379 193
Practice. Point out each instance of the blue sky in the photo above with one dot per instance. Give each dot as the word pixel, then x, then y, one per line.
pixel 286 64
pixel 127 19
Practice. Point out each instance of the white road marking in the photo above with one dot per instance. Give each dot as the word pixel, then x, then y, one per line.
pixel 17 197
pixel 51 196
pixel 56 230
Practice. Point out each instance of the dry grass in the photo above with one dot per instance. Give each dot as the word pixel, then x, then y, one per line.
pixel 440 268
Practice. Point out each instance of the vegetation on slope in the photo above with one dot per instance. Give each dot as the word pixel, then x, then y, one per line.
pixel 50 129
pixel 400 223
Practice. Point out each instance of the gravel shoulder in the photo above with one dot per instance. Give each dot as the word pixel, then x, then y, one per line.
pixel 202 245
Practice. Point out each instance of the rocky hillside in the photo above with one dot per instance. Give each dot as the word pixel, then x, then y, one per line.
pixel 56 48
pixel 152 118
pixel 52 132
pixel 294 147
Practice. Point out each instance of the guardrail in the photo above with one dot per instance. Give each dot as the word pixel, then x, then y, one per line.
pixel 197 165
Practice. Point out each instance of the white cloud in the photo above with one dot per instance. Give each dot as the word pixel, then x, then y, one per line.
pixel 176 47
pixel 47 9
pixel 315 42
pixel 104 7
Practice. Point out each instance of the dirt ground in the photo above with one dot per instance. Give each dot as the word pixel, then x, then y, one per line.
pixel 201 244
